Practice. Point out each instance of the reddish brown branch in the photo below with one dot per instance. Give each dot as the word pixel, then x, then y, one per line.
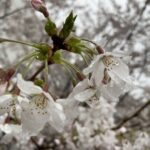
pixel 39 71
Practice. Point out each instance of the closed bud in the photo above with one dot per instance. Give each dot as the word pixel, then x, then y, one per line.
pixel 39 5
pixel 80 76
pixel 100 49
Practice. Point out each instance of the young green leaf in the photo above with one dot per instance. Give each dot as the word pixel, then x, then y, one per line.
pixel 50 28
pixel 56 58
pixel 68 26
pixel 75 45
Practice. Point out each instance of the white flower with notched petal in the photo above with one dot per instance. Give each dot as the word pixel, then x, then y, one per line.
pixel 82 92
pixel 89 94
pixel 38 108
pixel 110 74
pixel 85 92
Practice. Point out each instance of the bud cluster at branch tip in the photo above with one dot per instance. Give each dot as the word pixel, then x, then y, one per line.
pixel 39 5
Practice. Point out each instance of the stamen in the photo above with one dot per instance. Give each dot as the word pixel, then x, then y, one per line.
pixel 40 101
pixel 106 78
pixel 109 61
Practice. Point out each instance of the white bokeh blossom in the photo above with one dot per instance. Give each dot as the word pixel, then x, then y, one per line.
pixel 11 131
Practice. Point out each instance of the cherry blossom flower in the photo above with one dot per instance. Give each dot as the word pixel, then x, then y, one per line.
pixel 38 108
pixel 85 92
pixel 110 74
pixel 89 94
pixel 70 104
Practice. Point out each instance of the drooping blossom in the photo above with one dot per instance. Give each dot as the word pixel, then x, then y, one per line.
pixel 83 92
pixel 38 108
pixel 110 74
pixel 71 104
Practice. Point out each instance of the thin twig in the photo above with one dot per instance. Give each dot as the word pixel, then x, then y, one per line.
pixel 13 12
pixel 133 115
pixel 130 34
pixel 39 71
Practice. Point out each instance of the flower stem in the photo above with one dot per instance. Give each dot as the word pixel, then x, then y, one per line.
pixel 84 58
pixel 89 41
pixel 72 75
pixel 14 41
pixel 27 68
pixel 99 49
pixel 46 71
pixel 26 58
pixel 72 66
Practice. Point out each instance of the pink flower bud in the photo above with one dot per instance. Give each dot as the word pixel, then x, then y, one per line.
pixel 39 5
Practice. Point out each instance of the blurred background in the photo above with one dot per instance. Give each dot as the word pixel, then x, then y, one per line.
pixel 114 24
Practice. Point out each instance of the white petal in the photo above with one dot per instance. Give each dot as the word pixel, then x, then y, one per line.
pixel 2 88
pixel 121 71
pixel 98 73
pixel 5 103
pixel 27 87
pixel 57 118
pixel 70 107
pixel 7 139
pixel 33 118
pixel 91 67
pixel 48 96
pixel 85 95
pixel 118 54
pixel 81 86
pixel 119 84
pixel 111 92
pixel 58 106
pixel 11 128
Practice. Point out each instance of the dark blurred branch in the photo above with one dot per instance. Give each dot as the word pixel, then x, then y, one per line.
pixel 13 12
pixel 37 72
pixel 133 115
pixel 130 34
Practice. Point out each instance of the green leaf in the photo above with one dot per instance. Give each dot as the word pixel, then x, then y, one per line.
pixel 39 82
pixel 57 57
pixel 50 28
pixel 68 26
pixel 75 45
pixel 44 51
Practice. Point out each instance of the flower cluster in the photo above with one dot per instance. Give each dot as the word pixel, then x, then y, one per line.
pixel 106 78
pixel 27 106
pixel 31 109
